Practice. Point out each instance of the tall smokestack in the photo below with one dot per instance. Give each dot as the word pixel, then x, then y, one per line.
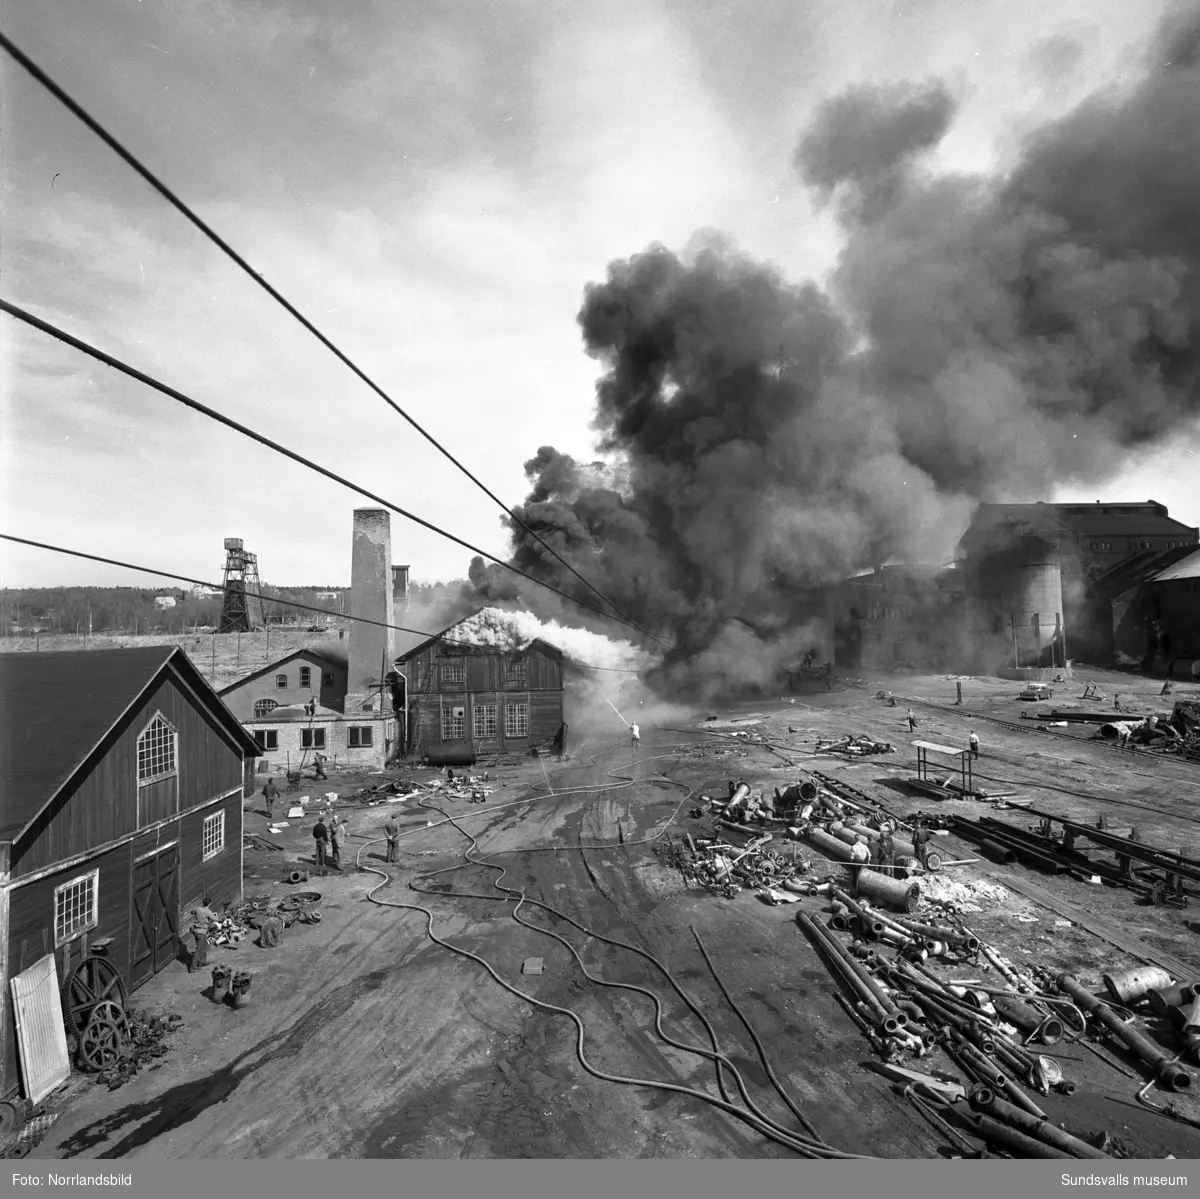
pixel 371 648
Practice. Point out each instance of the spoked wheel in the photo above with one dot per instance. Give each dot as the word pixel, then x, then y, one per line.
pixel 100 1045
pixel 95 980
pixel 114 1014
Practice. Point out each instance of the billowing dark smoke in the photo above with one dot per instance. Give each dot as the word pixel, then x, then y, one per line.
pixel 983 338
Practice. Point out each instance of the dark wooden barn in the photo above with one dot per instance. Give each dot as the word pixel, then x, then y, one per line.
pixel 121 786
pixel 499 701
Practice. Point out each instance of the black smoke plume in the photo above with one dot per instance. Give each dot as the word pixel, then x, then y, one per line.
pixel 982 338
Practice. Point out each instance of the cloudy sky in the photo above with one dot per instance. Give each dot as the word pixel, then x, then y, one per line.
pixel 433 185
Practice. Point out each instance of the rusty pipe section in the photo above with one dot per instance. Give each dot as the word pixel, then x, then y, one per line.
pixel 983 1099
pixel 951 936
pixel 996 1133
pixel 1049 1029
pixel 892 1018
pixel 1165 1069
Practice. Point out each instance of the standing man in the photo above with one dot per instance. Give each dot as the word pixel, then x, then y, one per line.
pixel 270 794
pixel 337 834
pixel 912 720
pixel 202 921
pixel 321 837
pixel 959 686
pixel 973 740
pixel 319 765
pixel 391 830
pixel 887 849
pixel 635 735
pixel 920 841
pixel 310 708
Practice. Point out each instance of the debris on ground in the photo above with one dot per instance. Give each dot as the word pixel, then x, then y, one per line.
pixel 854 746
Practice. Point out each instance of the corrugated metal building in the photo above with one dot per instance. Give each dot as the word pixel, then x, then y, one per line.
pixel 502 701
pixel 121 786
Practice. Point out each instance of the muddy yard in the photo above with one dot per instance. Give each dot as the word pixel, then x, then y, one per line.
pixel 365 1038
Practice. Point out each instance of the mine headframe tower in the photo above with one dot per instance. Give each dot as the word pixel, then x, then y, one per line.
pixel 242 608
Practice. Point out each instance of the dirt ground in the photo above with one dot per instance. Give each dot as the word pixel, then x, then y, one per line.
pixel 364 1038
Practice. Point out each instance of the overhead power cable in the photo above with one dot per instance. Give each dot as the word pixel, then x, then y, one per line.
pixel 108 360
pixel 166 574
pixel 79 111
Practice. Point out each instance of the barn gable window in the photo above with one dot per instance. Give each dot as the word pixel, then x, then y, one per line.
pixel 516 720
pixel 212 839
pixel 305 676
pixel 156 751
pixel 281 682
pixel 263 707
pixel 75 907
pixel 454 672
pixel 515 673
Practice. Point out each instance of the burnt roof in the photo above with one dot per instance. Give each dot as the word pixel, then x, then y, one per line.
pixel 57 707
pixel 1141 568
pixel 1122 520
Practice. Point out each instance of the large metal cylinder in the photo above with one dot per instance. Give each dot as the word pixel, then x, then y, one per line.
pixel 1028 1019
pixel 986 1100
pixel 832 847
pixel 1131 985
pixel 1162 1001
pixel 451 753
pixel 900 893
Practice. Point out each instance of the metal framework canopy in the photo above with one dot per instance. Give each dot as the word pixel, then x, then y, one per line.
pixel 925 748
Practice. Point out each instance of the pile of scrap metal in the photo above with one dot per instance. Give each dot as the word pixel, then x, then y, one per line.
pixel 727 870
pixel 470 787
pixel 990 1033
pixel 144 1045
pixel 232 925
pixel 853 746
pixel 393 791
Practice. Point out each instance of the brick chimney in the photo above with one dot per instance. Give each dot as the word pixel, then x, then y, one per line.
pixel 371 648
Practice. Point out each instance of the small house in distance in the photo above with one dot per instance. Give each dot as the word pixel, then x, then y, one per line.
pixel 476 683
pixel 121 777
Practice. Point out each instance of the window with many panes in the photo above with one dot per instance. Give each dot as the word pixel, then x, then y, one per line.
pixel 267 738
pixel 213 835
pixel 156 751
pixel 453 720
pixel 312 738
pixel 281 682
pixel 360 736
pixel 516 720
pixel 515 673
pixel 454 672
pixel 485 720
pixel 263 706
pixel 305 676
pixel 75 907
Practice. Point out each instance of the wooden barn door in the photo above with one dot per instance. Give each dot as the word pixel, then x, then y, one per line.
pixel 155 915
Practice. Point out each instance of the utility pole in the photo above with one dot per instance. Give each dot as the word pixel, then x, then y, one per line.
pixel 238 664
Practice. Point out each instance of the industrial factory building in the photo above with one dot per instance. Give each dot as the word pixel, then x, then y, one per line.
pixel 1034 587
pixel 466 692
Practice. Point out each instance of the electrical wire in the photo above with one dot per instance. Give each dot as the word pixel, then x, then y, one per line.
pixel 178 396
pixel 79 111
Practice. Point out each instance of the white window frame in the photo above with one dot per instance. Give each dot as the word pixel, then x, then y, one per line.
pixel 163 774
pixel 450 721
pixel 92 877
pixel 305 676
pixel 312 738
pixel 516 673
pixel 490 717
pixel 453 673
pixel 354 736
pixel 215 821
pixel 281 686
pixel 514 715
pixel 264 707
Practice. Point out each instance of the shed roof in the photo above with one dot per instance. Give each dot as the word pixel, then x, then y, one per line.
pixel 1186 568
pixel 933 748
pixel 58 707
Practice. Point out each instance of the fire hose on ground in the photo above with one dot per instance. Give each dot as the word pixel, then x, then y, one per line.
pixel 750 1114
